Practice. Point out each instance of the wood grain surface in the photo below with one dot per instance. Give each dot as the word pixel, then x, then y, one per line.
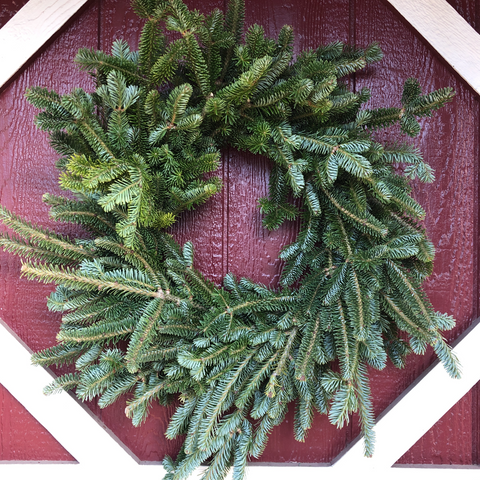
pixel 32 27
pixel 451 35
pixel 26 172
pixel 227 231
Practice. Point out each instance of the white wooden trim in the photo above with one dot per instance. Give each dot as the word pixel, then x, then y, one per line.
pixel 419 407
pixel 29 30
pixel 72 424
pixel 448 33
pixel 98 451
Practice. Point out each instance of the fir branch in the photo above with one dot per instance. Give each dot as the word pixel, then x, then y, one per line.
pixel 45 239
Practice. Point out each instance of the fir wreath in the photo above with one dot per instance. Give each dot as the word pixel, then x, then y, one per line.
pixel 134 152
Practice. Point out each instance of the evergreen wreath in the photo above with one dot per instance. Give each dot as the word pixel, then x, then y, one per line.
pixel 138 318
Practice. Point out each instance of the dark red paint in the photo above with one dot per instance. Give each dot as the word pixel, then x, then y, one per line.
pixel 227 232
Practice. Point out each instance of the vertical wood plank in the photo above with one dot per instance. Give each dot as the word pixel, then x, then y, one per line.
pixel 253 251
pixel 26 172
pixel 204 227
pixel 470 11
pixel 453 430
pixel 207 226
pixel 449 142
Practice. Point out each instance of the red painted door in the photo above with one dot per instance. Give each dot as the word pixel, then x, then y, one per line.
pixel 227 232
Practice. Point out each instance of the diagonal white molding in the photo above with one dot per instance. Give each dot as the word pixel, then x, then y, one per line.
pixel 72 424
pixel 29 30
pixel 419 407
pixel 447 32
